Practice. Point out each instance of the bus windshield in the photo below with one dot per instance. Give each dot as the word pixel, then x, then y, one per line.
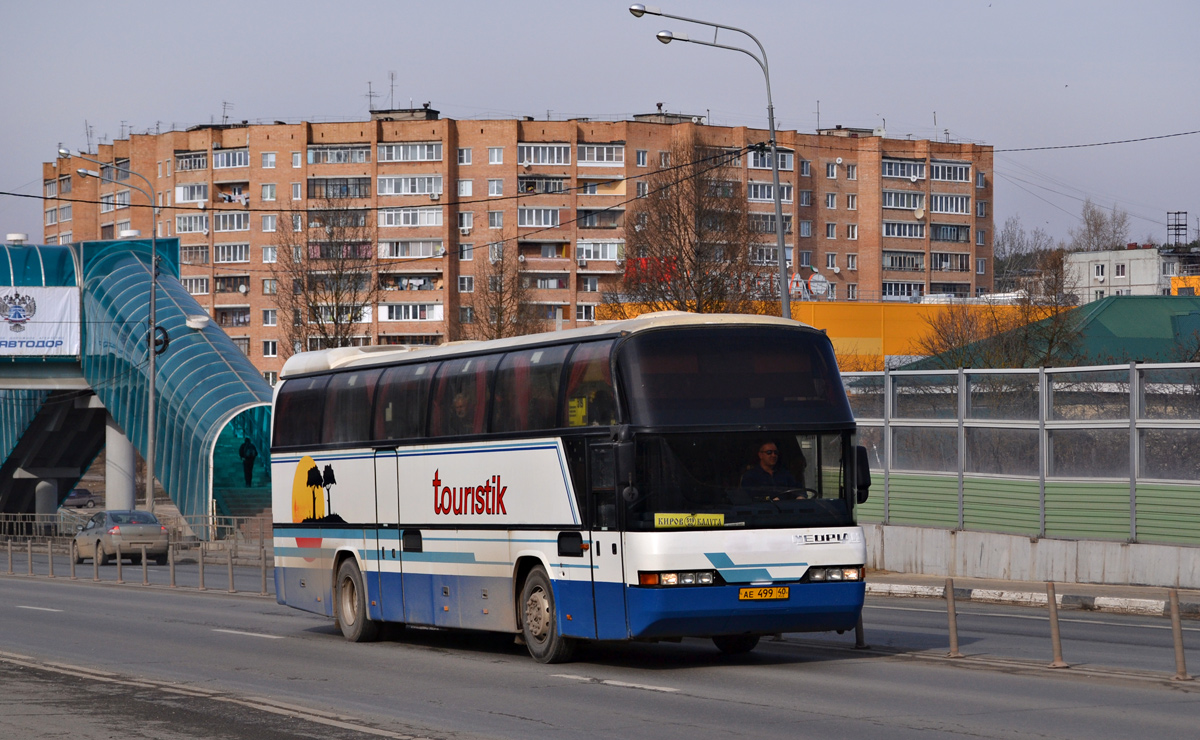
pixel 750 480
pixel 718 375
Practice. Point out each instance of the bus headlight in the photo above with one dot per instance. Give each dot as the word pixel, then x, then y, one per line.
pixel 677 578
pixel 835 573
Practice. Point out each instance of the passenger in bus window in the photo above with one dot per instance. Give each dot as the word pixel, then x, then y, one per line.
pixel 768 479
pixel 461 420
pixel 602 411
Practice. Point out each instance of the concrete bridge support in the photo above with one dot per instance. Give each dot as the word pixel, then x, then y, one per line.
pixel 119 488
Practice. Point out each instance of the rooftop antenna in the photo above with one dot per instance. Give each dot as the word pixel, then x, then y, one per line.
pixel 548 111
pixel 818 115
pixel 87 129
pixel 392 91
pixel 225 108
pixel 124 125
pixel 371 95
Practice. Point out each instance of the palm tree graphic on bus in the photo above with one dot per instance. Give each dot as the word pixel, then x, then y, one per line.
pixel 312 492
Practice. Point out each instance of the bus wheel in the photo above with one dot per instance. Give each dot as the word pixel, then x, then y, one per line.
pixel 539 623
pixel 735 644
pixel 352 605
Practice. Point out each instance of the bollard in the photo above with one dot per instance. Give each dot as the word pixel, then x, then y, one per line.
pixel 860 642
pixel 71 552
pixel 200 555
pixel 10 570
pixel 95 567
pixel 952 616
pixel 1055 639
pixel 171 560
pixel 262 557
pixel 145 572
pixel 29 555
pixel 1181 673
pixel 50 552
pixel 120 578
pixel 229 560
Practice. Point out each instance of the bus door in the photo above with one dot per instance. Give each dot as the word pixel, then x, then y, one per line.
pixel 607 550
pixel 384 590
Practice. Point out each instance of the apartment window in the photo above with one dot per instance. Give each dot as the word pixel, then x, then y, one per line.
pixel 465 188
pixel 466 284
pixel 831 294
pixel 585 312
pixel 851 172
pixel 123 226
pixel 831 170
pixel 643 189
pixel 270 348
pixel 761 160
pixel 409 248
pixel 270 286
pixel 764 192
pixel 231 222
pixel 904 229
pixel 423 152
pixel 602 154
pixel 224 159
pixel 51 188
pixel 805 258
pixel 831 231
pixel 242 343
pixel 191 223
pixel 168 163
pixel 664 159
pixel 805 168
pixel 495 155
pixel 950 172
pixel 528 154
pixel 52 217
pixel 950 233
pixel 412 185
pixel 852 262
pixel 981 237
pixel 189 161
pixel 269 255
pixel 851 202
pixel 65 238
pixel 268 160
pixel 195 285
pixel 909 170
pixel 466 219
pixel 537 217
pixel 981 209
pixel 609 250
pixel 830 261
pixel 589 188
pixel 852 231
pixel 410 217
pixel 351 154
pixel 193 254
pixel 191 192
pixel 495 219
pixel 641 157
pixel 466 315
pixel 231 253
pixel 495 187
pixel 297 194
pixel 764 223
pixel 295 160
pixel 233 284
pixel 1119 270
pixel 960 204
pixel 949 262
pixel 831 200
pixel 495 254
pixel 981 266
pixel 893 291
pixel 980 180
pixel 852 291
pixel 64 184
pixel 268 192
pixel 903 199
pixel 297 222
pixel 466 252
pixel 1098 296
pixel 412 312
pixel 589 284
pixel 806 228
pixel 339 187
pixel 106 231
pixel 1170 268
pixel 268 222
pixel 806 197
pixel 464 155
pixel 269 317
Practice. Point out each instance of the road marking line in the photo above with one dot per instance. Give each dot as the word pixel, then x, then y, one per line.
pixel 39 608
pixel 618 684
pixel 572 677
pixel 250 634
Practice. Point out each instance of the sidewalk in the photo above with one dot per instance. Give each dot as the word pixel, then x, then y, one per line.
pixel 1150 600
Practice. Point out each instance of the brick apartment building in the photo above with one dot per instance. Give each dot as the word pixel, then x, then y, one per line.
pixel 881 219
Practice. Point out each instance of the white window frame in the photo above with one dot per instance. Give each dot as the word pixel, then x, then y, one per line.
pixel 831 230
pixel 410 217
pixel 903 168
pixel 950 171
pixel 270 222
pixel 904 229
pixel 831 201
pixel 409 184
pixel 495 155
pixel 950 203
pixel 852 232
pixel 495 187
pixel 465 188
pixel 537 217
pixel 410 151
pixel 268 160
pixel 270 348
pixel 761 160
pixel 980 265
pixel 231 253
pixel 227 159
pixel 297 162
pixel 852 261
pixel 601 155
pixel 464 155
pixel 851 172
pixel 466 284
pixel 830 260
pixel 297 191
pixel 409 248
pixel 641 157
pixel 268 191
pixel 495 219
pixel 270 255
pixel 235 221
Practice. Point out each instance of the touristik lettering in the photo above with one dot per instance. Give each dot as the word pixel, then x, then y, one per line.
pixel 485 499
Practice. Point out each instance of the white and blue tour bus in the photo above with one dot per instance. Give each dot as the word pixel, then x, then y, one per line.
pixel 668 476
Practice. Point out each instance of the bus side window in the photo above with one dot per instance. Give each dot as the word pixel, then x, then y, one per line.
pixel 403 399
pixel 299 408
pixel 589 399
pixel 526 391
pixel 603 485
pixel 460 396
pixel 348 406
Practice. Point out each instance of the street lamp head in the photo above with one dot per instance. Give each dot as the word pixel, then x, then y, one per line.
pixel 638 10
pixel 64 152
pixel 665 36
pixel 87 173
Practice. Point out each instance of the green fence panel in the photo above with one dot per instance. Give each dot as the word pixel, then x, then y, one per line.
pixel 1087 510
pixel 927 500
pixel 1168 513
pixel 1001 505
pixel 872 510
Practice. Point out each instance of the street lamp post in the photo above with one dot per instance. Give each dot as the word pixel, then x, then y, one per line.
pixel 666 37
pixel 153 318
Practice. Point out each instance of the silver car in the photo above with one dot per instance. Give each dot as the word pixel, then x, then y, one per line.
pixel 129 530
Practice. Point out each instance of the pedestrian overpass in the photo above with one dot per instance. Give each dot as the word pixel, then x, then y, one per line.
pixel 74 380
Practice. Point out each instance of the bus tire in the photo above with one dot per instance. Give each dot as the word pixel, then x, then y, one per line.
pixel 352 605
pixel 539 621
pixel 735 644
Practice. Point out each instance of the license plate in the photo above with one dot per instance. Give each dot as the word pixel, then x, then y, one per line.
pixel 767 593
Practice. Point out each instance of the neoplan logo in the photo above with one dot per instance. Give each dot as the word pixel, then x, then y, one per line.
pixel 485 499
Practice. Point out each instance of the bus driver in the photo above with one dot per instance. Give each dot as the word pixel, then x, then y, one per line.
pixel 769 474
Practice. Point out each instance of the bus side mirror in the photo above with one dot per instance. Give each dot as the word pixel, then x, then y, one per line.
pixel 862 473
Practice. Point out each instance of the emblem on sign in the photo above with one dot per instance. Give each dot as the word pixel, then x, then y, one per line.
pixel 18 309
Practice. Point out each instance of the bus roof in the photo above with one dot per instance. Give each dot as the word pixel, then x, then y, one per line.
pixel 325 360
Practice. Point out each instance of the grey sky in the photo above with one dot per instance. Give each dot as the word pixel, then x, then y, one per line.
pixel 1013 74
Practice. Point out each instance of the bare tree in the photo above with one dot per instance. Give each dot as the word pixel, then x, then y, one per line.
pixel 1100 230
pixel 1017 253
pixel 690 248
pixel 499 303
pixel 326 276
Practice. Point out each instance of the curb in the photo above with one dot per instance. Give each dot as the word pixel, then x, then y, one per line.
pixel 1151 607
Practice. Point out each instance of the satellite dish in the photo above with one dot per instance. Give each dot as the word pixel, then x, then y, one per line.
pixel 242 289
pixel 838 160
pixel 818 284
pixel 912 178
pixel 919 214
pixel 836 270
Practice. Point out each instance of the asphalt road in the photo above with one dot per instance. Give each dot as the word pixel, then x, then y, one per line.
pixel 86 660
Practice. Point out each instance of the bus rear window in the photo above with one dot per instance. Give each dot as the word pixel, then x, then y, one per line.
pixel 732 375
pixel 299 409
